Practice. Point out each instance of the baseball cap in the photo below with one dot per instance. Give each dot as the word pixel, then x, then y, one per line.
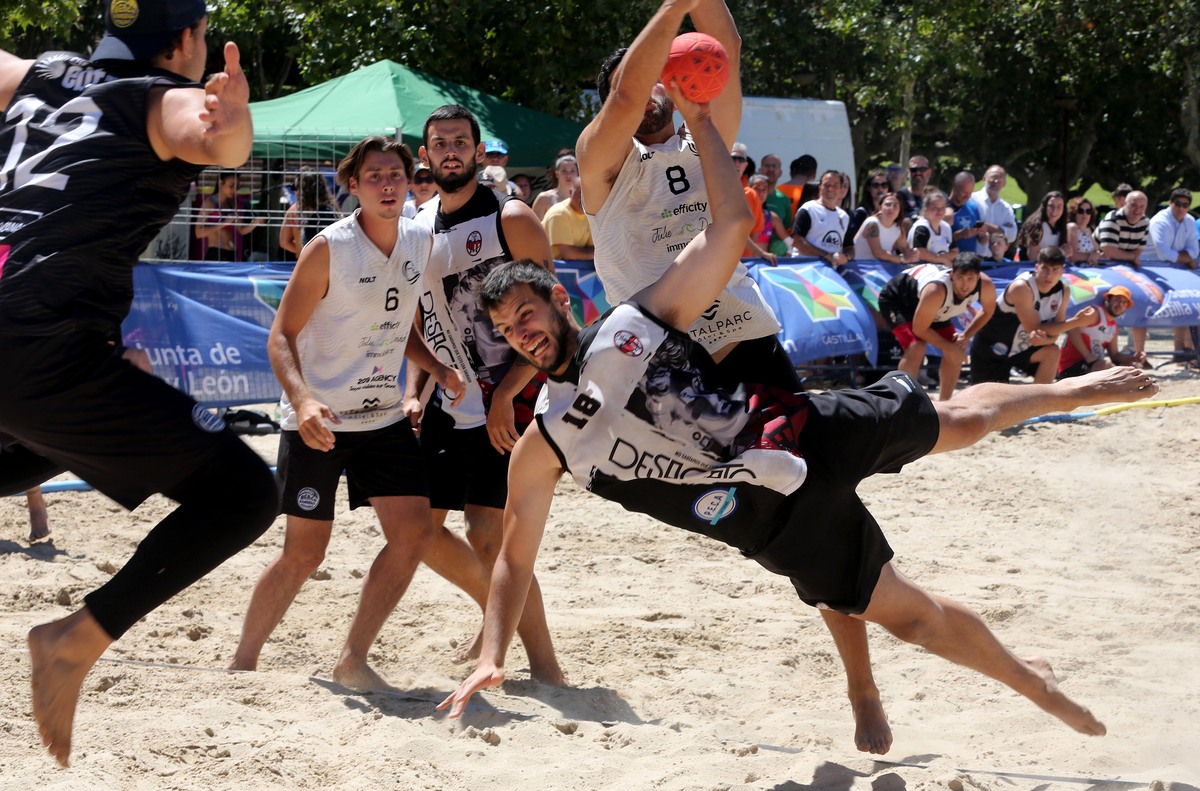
pixel 1119 291
pixel 141 29
pixel 495 147
pixel 486 179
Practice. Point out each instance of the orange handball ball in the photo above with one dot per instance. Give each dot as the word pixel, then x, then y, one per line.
pixel 698 65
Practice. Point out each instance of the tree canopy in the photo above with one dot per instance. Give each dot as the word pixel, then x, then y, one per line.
pixel 1062 94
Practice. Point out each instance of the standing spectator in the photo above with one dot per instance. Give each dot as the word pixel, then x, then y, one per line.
pixel 895 176
pixel 770 227
pixel 968 225
pixel 313 210
pixel 742 162
pixel 568 230
pixel 820 227
pixel 1119 194
pixel 1122 237
pixel 522 187
pixel 1173 237
pixel 1087 345
pixel 929 235
pixel 801 186
pixel 919 174
pixel 1079 231
pixel 566 171
pixel 779 203
pixel 495 152
pixel 995 210
pixel 873 190
pixel 881 236
pixel 219 226
pixel 422 189
pixel 1046 227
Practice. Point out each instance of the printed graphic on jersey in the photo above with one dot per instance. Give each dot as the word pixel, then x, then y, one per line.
pixel 628 343
pixel 490 354
pixel 822 299
pixel 412 272
pixel 474 243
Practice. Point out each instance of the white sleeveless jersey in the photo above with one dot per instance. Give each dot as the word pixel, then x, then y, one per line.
pixel 828 228
pixel 939 241
pixel 657 205
pixel 1004 332
pixel 639 419
pixel 924 274
pixel 352 347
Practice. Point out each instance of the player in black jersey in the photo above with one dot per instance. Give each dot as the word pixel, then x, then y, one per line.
pixel 98 155
pixel 784 491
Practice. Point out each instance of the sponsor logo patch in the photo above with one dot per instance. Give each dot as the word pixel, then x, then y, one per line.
pixel 474 243
pixel 124 12
pixel 207 421
pixel 411 271
pixel 307 498
pixel 628 343
pixel 715 505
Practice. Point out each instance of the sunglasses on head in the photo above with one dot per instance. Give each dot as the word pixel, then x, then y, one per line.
pixel 737 157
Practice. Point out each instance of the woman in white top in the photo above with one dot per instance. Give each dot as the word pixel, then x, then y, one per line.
pixel 880 235
pixel 566 170
pixel 1080 212
pixel 1046 227
pixel 929 236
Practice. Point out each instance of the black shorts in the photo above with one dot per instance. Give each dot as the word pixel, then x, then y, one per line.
pixel 761 361
pixel 464 469
pixel 987 366
pixel 829 545
pixel 382 462
pixel 74 404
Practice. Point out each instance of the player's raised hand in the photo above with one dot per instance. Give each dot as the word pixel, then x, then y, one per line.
pixel 226 95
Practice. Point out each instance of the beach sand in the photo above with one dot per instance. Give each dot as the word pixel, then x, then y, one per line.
pixel 691 667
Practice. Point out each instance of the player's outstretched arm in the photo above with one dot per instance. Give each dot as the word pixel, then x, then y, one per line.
pixel 713 17
pixel 205 127
pixel 532 475
pixel 704 267
pixel 605 142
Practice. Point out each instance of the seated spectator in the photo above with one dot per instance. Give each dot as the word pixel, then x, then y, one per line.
pixel 566 173
pixel 220 225
pixel 929 236
pixel 779 203
pixel 820 226
pixel 880 236
pixel 769 227
pixel 967 221
pixel 1087 346
pixel 313 211
pixel 567 228
pixel 997 250
pixel 421 189
pixel 1173 238
pixel 1046 227
pixel 918 305
pixel 1082 244
pixel 919 174
pixel 873 190
pixel 801 186
pixel 1029 317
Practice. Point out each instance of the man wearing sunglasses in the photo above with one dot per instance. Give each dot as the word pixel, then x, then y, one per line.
pixel 1174 239
pixel 919 174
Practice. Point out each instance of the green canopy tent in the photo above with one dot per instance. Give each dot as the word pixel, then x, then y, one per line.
pixel 322 122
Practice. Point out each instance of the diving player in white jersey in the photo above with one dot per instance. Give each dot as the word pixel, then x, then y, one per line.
pixel 645 195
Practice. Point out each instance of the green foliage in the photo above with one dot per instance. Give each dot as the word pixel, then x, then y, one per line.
pixel 1057 91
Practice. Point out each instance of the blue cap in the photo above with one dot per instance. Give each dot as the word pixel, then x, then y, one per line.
pixel 141 29
pixel 495 147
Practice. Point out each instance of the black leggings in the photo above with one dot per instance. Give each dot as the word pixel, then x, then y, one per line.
pixel 223 506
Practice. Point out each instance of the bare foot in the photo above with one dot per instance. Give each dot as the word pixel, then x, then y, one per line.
pixel 467 650
pixel 360 676
pixel 1124 383
pixel 1050 698
pixel 550 674
pixel 61 654
pixel 242 665
pixel 872 734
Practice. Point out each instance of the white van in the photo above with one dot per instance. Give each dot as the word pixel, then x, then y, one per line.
pixel 789 128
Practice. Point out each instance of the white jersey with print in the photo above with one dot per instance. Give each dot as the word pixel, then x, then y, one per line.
pixel 353 345
pixel 827 229
pixel 657 205
pixel 924 274
pixel 940 240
